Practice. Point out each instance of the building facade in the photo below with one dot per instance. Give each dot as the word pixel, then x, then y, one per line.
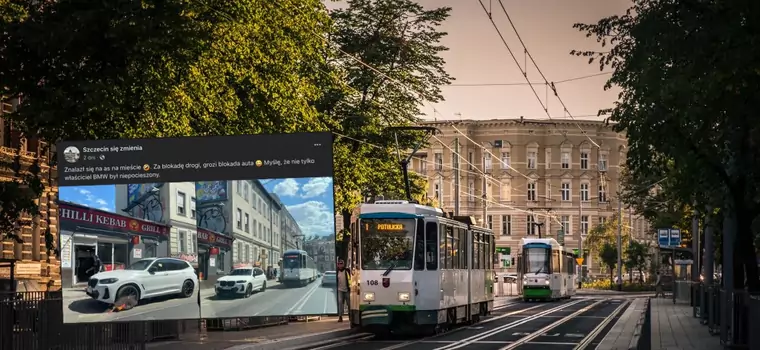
pixel 322 250
pixel 534 174
pixel 35 260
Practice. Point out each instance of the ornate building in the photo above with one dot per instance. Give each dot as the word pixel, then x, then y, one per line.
pixel 535 174
pixel 34 261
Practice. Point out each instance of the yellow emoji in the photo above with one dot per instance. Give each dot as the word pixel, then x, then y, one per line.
pixel 146 167
pixel 259 163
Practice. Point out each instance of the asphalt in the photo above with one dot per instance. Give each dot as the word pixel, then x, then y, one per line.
pixel 312 299
pixel 521 325
pixel 80 308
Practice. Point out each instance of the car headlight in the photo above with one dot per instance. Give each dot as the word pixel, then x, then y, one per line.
pixel 369 296
pixel 241 281
pixel 108 281
pixel 404 297
pixel 547 282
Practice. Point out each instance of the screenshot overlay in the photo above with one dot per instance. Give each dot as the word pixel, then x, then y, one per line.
pixel 186 228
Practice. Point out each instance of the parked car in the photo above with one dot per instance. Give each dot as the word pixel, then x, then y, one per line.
pixel 242 282
pixel 330 278
pixel 144 279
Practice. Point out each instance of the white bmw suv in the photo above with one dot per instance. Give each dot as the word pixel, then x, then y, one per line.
pixel 242 282
pixel 146 278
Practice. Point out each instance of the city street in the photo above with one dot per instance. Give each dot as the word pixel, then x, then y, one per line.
pixel 78 308
pixel 312 299
pixel 579 323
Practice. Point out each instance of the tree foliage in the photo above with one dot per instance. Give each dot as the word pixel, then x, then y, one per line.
pixel 606 233
pixel 608 257
pixel 636 257
pixel 687 71
pixel 19 196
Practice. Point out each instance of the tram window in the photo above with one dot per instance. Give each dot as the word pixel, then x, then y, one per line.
pixel 454 243
pixel 431 246
pixel 449 247
pixel 482 251
pixel 467 249
pixel 419 246
pixel 442 246
pixel 555 262
pixel 462 246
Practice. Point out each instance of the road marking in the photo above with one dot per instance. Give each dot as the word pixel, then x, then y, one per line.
pixel 543 331
pixel 301 302
pixel 469 340
pixel 594 333
pixel 324 310
pixel 574 335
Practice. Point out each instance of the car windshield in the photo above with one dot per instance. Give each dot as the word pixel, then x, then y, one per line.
pixel 140 265
pixel 241 272
pixel 387 244
pixel 330 273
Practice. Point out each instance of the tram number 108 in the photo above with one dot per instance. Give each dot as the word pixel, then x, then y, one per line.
pixel 372 282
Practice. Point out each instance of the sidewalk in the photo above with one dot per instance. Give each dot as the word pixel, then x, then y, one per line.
pixel 675 327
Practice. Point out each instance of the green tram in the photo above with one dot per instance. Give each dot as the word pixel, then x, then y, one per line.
pixel 546 270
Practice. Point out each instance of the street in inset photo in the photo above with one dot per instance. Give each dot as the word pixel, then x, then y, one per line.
pixel 128 252
pixel 283 247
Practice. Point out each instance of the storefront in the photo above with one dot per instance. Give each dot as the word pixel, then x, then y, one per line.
pixel 118 241
pixel 214 254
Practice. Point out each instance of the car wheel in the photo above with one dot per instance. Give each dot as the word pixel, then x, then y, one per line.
pixel 248 290
pixel 128 291
pixel 188 287
pixel 264 286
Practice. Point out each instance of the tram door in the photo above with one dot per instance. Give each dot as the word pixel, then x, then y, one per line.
pixel 519 274
pixel 353 264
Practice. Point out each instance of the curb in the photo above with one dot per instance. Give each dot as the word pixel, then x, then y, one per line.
pixel 298 342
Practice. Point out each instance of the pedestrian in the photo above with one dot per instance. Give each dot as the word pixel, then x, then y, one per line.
pixel 658 286
pixel 344 288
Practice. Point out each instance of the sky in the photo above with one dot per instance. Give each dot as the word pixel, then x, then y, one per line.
pixel 98 197
pixel 477 56
pixel 309 200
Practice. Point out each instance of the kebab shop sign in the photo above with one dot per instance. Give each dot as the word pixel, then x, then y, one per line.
pixel 106 220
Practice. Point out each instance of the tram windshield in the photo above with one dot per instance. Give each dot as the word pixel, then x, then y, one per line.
pixel 291 261
pixel 387 244
pixel 536 260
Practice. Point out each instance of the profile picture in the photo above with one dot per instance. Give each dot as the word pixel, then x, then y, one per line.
pixel 71 154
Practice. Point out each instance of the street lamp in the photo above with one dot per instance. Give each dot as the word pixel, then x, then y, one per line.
pixel 582 234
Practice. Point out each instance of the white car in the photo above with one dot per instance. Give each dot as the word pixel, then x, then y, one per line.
pixel 146 278
pixel 242 282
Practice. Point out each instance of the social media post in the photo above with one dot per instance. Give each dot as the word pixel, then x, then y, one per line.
pixel 277 256
pixel 129 252
pixel 102 162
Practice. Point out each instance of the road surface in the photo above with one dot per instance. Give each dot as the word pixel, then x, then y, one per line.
pixel 80 308
pixel 312 299
pixel 579 323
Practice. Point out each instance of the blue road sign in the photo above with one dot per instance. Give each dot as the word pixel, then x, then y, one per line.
pixel 669 237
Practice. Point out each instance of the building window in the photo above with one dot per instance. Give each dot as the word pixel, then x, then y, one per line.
pixel 531 225
pixel 487 161
pixel 471 191
pixel 239 252
pixel 565 160
pixel 180 203
pixel 506 225
pixel 239 187
pixel 192 208
pixel 423 164
pixel 247 253
pixel 245 191
pixel 584 160
pixel 602 161
pixel 548 160
pixel 439 189
pixel 181 241
pixel 602 194
pixel 255 231
pixel 238 218
pixel 531 191
pixel 584 225
pixel 602 220
pixel 505 160
pixel 565 223
pixel 565 191
pixel 506 191
pixel 246 223
pixel 532 159
pixel 470 160
pixel 489 220
pixel 584 192
pixel 438 161
pixel 548 189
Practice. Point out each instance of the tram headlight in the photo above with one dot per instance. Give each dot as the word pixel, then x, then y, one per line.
pixel 404 297
pixel 369 296
pixel 546 282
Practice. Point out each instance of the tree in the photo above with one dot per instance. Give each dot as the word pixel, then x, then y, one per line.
pixel 107 70
pixel 687 104
pixel 398 38
pixel 19 196
pixel 636 255
pixel 608 257
pixel 606 233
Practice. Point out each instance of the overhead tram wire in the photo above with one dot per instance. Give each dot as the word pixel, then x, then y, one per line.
pixel 461 192
pixel 525 73
pixel 528 83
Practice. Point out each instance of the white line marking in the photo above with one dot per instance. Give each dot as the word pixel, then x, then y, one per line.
pixel 301 302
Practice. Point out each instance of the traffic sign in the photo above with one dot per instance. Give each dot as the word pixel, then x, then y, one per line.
pixel 579 261
pixel 669 237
